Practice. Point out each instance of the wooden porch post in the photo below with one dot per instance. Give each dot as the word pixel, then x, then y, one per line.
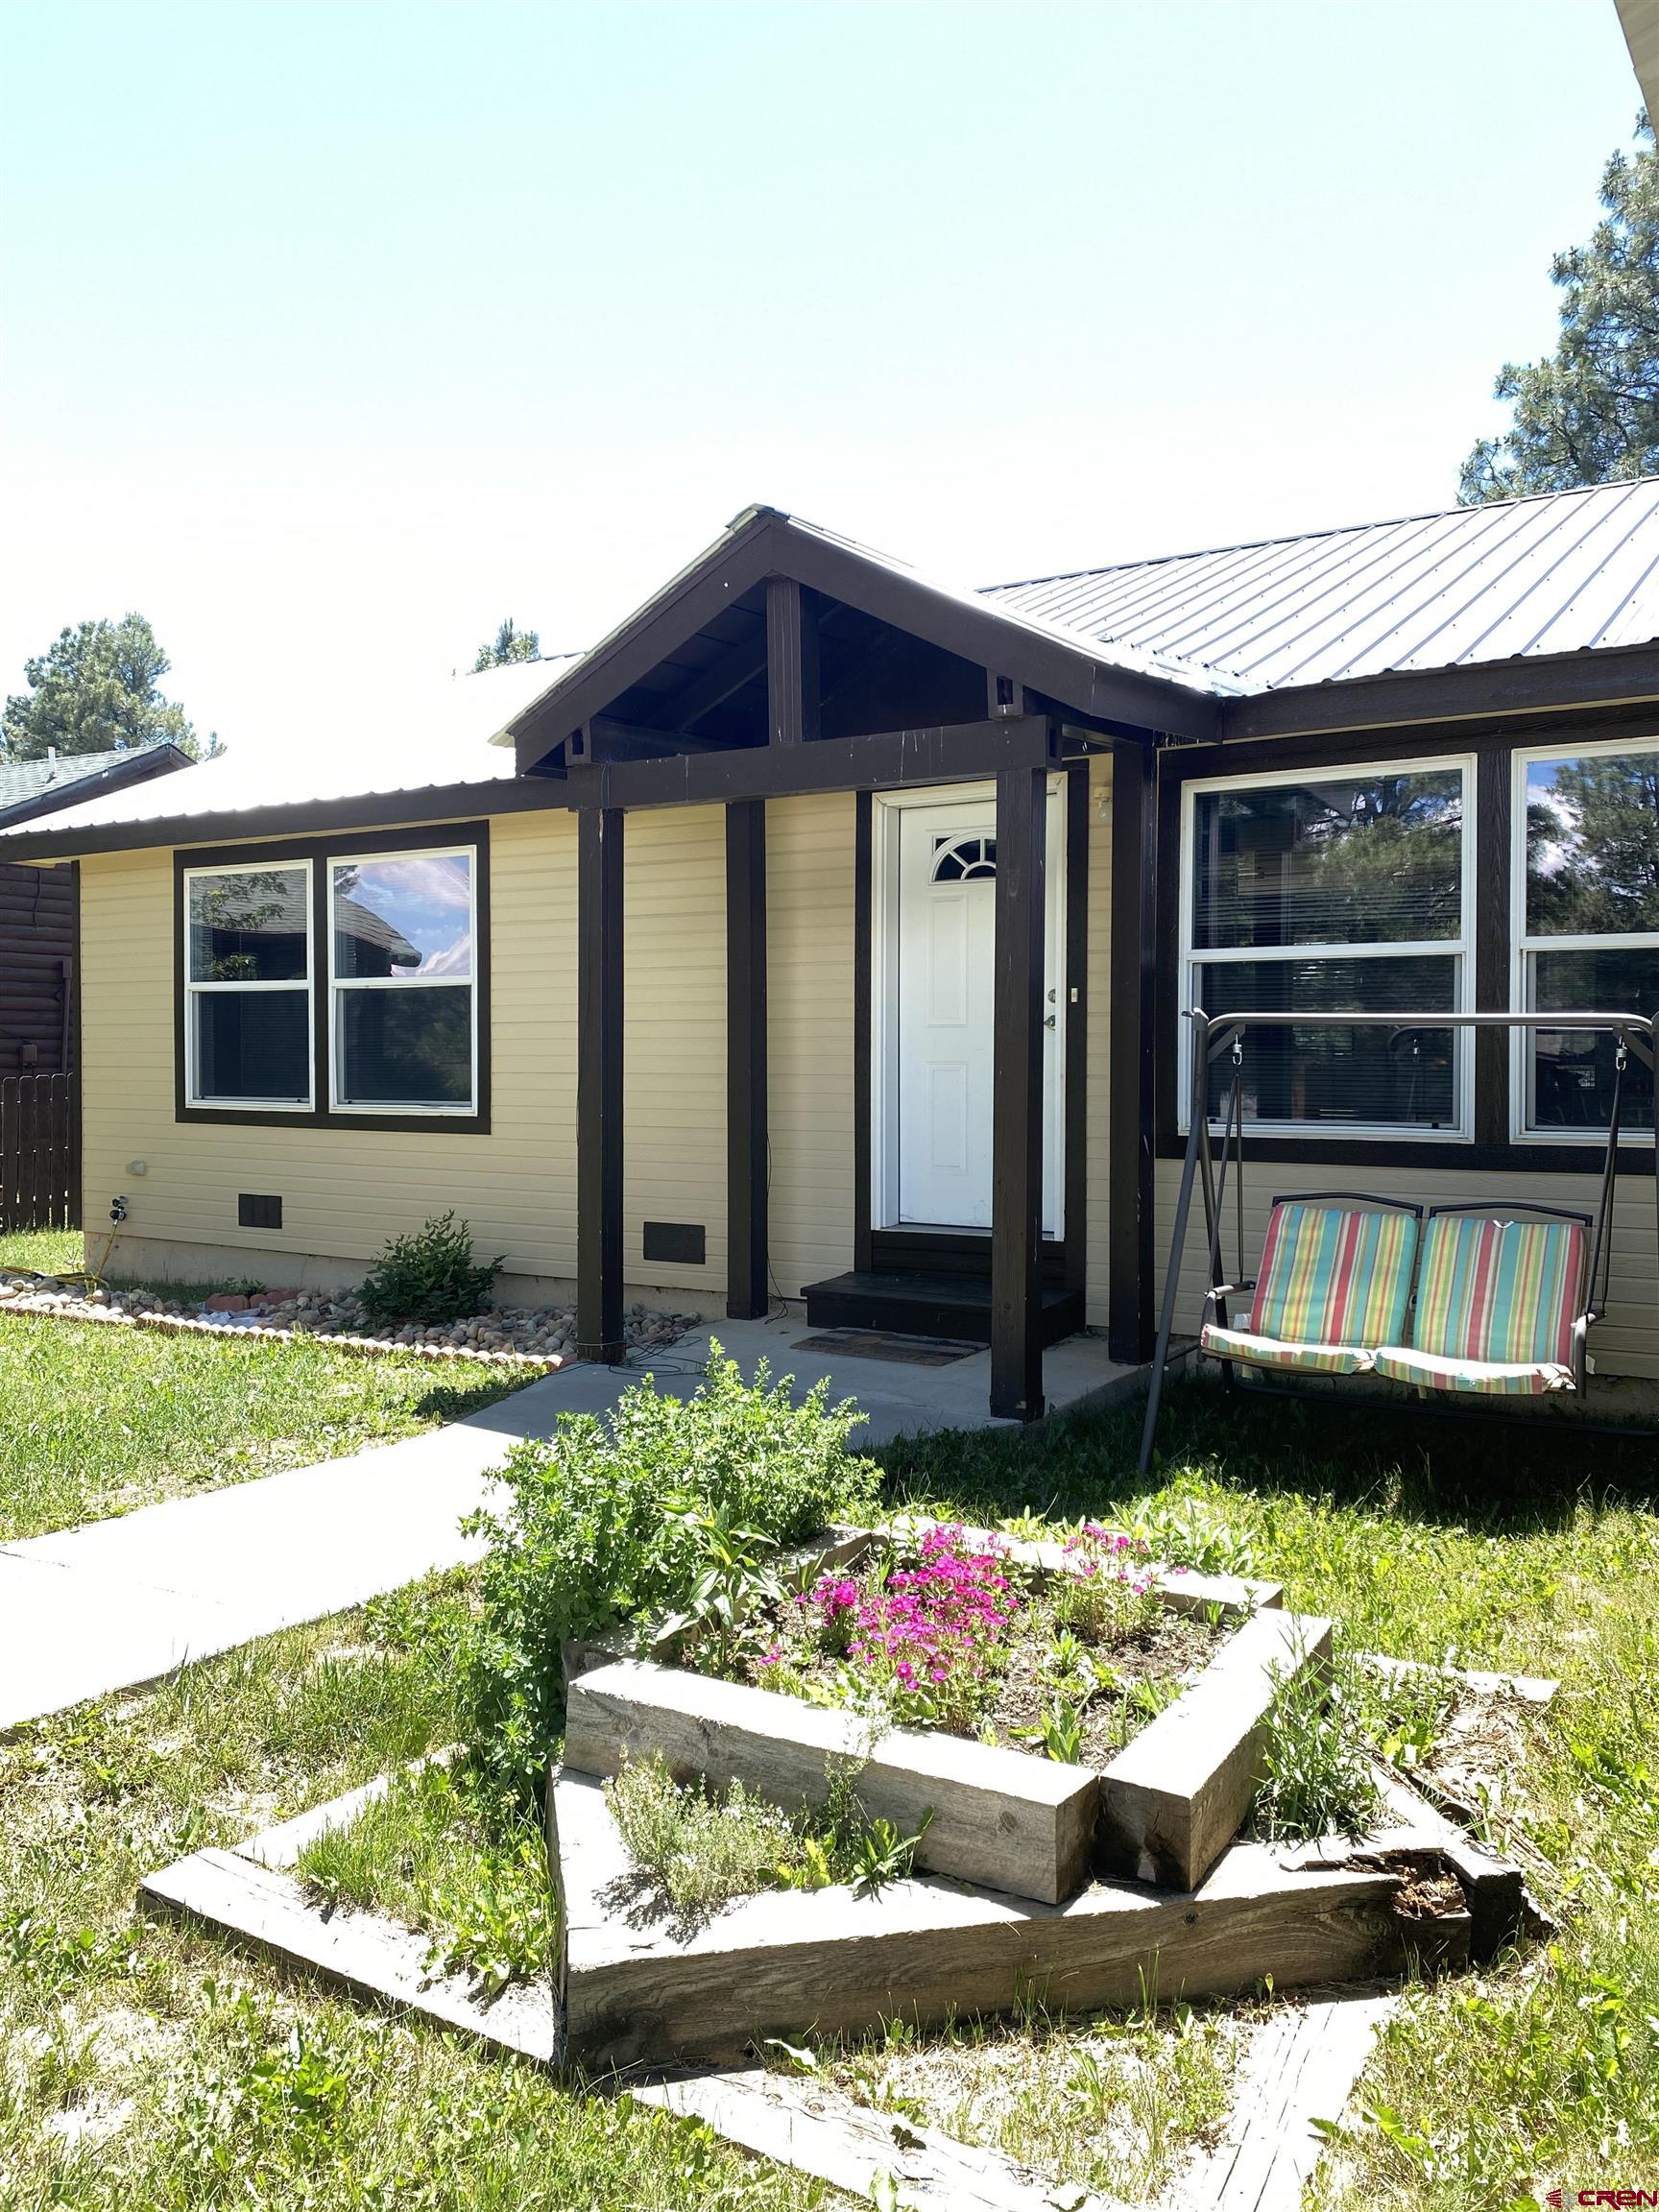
pixel 1130 1263
pixel 599 1331
pixel 747 1269
pixel 792 686
pixel 1016 1096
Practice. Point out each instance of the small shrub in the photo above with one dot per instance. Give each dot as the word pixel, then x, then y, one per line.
pixel 430 1275
pixel 1316 1772
pixel 694 1849
pixel 601 1526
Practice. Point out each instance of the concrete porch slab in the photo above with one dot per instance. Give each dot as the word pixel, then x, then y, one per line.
pixel 896 1400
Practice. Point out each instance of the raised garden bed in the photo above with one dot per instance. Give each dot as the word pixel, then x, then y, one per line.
pixel 1008 1814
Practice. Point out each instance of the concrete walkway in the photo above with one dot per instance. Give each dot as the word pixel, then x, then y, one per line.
pixel 119 1602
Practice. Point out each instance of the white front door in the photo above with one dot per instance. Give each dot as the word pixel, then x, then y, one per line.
pixel 939 932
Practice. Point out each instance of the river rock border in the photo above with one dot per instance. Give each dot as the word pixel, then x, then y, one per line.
pixel 146 1309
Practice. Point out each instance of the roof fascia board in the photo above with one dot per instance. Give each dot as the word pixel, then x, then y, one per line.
pixel 996 640
pixel 694 597
pixel 306 817
pixel 1545 684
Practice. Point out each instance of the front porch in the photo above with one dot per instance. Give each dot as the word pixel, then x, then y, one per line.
pixel 787 669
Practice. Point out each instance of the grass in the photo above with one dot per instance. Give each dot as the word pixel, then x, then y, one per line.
pixel 438 1854
pixel 147 2066
pixel 153 2066
pixel 99 1419
pixel 1485 1546
pixel 1101 2104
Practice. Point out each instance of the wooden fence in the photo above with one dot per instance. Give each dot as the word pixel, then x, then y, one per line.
pixel 40 1153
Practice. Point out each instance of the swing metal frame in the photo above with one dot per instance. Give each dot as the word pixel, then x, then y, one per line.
pixel 1637 1035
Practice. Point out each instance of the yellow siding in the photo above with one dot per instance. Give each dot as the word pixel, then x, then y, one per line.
pixel 809 927
pixel 1621 1344
pixel 1100 1051
pixel 674 1022
pixel 344 1191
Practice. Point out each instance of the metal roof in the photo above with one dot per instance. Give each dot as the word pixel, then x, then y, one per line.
pixel 446 745
pixel 1562 572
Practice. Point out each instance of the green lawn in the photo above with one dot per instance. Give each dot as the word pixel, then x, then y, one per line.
pixel 147 2066
pixel 96 1419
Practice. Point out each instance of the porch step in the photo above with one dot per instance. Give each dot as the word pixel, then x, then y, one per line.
pixel 928 1304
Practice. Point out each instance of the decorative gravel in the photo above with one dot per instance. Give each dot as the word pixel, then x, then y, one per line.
pixel 542 1336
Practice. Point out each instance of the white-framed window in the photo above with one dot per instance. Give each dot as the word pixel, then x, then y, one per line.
pixel 1325 890
pixel 248 1034
pixel 380 1018
pixel 403 1010
pixel 1584 925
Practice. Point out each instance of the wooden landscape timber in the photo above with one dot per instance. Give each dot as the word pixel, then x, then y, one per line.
pixel 1172 1799
pixel 1001 1818
pixel 792 1963
pixel 364 1953
pixel 818 2130
pixel 1300 2066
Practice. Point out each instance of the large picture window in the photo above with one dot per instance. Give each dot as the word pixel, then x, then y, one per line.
pixel 1585 926
pixel 340 984
pixel 1327 890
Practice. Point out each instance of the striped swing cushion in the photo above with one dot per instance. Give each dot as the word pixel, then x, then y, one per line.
pixel 1334 1274
pixel 1496 1307
pixel 1333 1285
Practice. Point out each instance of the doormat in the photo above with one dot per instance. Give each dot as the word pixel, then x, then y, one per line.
pixel 904 1350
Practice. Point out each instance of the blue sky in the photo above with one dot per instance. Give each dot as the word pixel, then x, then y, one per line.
pixel 334 333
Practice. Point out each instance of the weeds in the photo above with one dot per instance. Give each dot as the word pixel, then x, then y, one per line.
pixel 1316 1777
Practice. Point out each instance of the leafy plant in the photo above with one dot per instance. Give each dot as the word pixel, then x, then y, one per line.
pixel 884 1853
pixel 732 1582
pixel 430 1275
pixel 1059 1732
pixel 595 1531
pixel 497 1924
pixel 1316 1776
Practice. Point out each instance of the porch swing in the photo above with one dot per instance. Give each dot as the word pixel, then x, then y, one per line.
pixel 1475 1299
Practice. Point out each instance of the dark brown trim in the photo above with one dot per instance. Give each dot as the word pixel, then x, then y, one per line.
pixel 319 852
pixel 747 1265
pixel 1542 1158
pixel 794 695
pixel 1017 1115
pixel 1074 1014
pixel 1490 931
pixel 1536 683
pixel 864 1105
pixel 599 1015
pixel 951 753
pixel 444 807
pixel 77 1066
pixel 1134 1050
